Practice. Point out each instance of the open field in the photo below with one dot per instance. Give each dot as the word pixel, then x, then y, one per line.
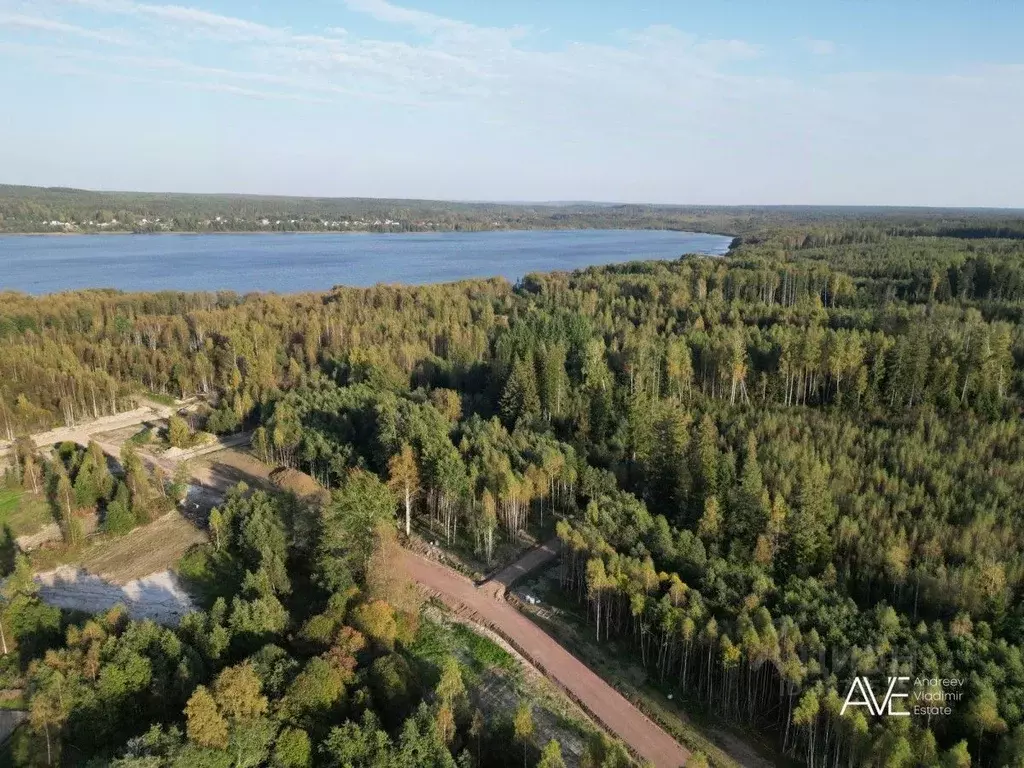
pixel 25 513
pixel 228 466
pixel 137 568
pixel 139 434
pixel 119 560
pixel 134 569
pixel 146 550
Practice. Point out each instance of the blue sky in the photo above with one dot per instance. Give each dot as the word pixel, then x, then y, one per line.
pixel 904 102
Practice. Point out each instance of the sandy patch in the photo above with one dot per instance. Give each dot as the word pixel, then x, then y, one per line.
pixel 35 540
pixel 158 596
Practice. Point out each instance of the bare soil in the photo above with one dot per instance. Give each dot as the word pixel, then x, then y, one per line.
pixel 541 555
pixel 146 550
pixel 226 467
pixel 83 432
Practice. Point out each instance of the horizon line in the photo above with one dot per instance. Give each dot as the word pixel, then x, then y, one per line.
pixel 512 202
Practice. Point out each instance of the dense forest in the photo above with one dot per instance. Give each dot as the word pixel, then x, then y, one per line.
pixel 770 473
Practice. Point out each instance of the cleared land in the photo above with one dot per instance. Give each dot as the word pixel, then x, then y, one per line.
pixel 498 583
pixel 225 467
pixel 82 433
pixel 148 549
pixel 499 678
pixel 158 596
pixel 136 569
pixel 133 570
pixel 24 513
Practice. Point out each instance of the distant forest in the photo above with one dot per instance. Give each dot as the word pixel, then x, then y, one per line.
pixel 60 210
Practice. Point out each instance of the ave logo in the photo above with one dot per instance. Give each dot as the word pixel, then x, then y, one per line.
pixel 862 695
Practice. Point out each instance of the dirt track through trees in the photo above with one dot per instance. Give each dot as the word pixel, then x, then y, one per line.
pixel 602 701
pixel 500 582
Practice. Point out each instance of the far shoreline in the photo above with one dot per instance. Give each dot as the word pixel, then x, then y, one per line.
pixel 121 232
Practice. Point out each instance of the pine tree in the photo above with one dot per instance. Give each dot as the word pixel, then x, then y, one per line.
pixel 519 400
pixel 178 433
pixel 704 462
pixel 748 514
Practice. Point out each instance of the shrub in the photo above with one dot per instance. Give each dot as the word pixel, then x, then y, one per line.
pixel 119 519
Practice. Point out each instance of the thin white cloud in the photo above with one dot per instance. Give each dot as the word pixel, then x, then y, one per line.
pixel 668 39
pixel 64 68
pixel 211 21
pixel 431 23
pixel 218 78
pixel 655 103
pixel 393 14
pixel 239 91
pixel 58 27
pixel 228 27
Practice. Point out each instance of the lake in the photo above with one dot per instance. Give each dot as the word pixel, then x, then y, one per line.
pixel 288 263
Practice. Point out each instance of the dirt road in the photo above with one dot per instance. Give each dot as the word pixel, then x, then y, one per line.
pixel 499 582
pixel 148 411
pixel 602 701
pixel 83 432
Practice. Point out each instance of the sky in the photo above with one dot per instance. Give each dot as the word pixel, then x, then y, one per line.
pixel 831 102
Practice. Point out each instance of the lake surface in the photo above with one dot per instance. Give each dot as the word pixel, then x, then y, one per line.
pixel 289 263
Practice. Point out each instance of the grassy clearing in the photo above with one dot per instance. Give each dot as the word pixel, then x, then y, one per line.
pixel 143 437
pixel 156 397
pixel 19 702
pixel 25 513
pixel 486 654
pixel 436 641
pixel 433 642
pixel 49 557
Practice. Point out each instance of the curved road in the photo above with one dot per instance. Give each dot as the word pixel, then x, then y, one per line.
pixel 606 704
